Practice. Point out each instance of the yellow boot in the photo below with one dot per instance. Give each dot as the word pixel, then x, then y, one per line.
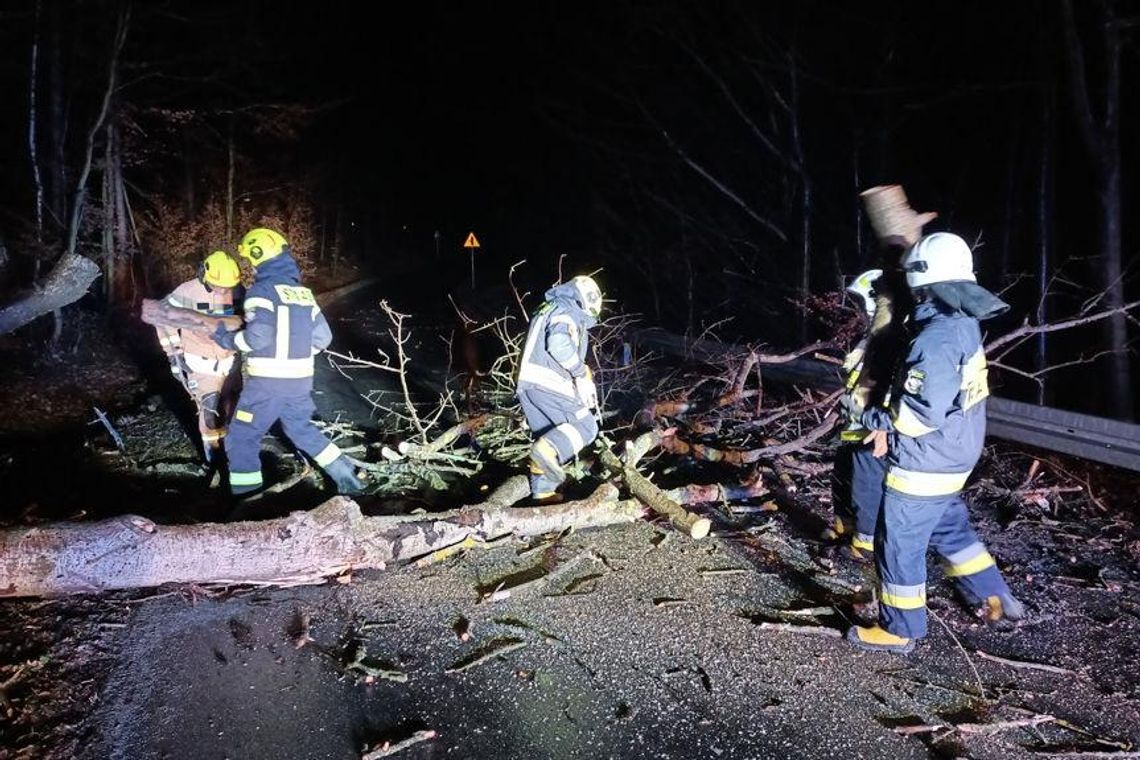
pixel 877 639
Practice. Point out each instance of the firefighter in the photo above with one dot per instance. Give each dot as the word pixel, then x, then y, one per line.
pixel 199 364
pixel 935 427
pixel 284 329
pixel 555 386
pixel 860 470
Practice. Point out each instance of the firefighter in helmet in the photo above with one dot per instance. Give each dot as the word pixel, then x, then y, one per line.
pixel 284 329
pixel 555 385
pixel 935 425
pixel 197 362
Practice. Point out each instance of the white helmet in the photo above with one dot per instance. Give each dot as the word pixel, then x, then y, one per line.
pixel 589 294
pixel 864 287
pixel 941 257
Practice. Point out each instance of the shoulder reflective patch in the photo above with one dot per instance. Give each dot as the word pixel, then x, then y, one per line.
pixel 915 379
pixel 257 302
pixel 975 380
pixel 297 295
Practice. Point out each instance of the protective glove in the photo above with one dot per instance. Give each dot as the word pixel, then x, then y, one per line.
pixel 587 391
pixel 223 337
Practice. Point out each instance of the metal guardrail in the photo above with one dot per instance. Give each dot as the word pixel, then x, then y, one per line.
pixel 1081 435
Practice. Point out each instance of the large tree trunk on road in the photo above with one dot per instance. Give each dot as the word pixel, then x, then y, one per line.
pixel 133 552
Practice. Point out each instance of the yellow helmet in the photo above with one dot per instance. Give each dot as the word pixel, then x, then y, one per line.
pixel 589 295
pixel 261 244
pixel 220 270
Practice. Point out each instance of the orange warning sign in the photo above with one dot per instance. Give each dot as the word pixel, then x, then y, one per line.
pixel 471 241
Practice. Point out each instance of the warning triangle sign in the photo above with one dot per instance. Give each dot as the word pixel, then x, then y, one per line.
pixel 471 241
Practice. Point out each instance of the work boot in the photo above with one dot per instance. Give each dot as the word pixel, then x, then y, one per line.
pixel 1001 607
pixel 877 639
pixel 546 499
pixel 343 473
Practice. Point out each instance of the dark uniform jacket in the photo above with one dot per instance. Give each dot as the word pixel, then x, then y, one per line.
pixel 937 410
pixel 555 350
pixel 284 328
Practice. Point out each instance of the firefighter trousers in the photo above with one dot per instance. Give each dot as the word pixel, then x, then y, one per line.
pixel 907 526
pixel 213 395
pixel 561 426
pixel 858 493
pixel 260 405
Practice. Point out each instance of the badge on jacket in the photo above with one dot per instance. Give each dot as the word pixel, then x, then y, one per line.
pixel 915 379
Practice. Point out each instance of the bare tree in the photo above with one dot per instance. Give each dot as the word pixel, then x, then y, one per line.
pixel 1099 127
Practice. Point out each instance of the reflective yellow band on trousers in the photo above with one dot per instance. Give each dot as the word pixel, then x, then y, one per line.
pixel 973 559
pixel 903 597
pixel 260 366
pixel 926 483
pixel 327 456
pixel 245 478
pixel 544 452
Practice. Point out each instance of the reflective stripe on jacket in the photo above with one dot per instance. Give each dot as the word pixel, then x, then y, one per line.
pixel 937 412
pixel 555 350
pixel 284 327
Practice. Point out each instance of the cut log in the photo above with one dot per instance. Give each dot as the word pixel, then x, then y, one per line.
pixel 653 497
pixel 165 314
pixel 892 218
pixel 69 280
pixel 304 547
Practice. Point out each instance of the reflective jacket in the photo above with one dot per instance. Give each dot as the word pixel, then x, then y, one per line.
pixel 284 328
pixel 555 350
pixel 200 352
pixel 937 411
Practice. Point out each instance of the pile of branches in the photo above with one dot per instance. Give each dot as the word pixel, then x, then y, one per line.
pixel 715 414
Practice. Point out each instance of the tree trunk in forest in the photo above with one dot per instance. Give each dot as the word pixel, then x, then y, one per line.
pixel 56 116
pixel 1100 132
pixel 33 86
pixel 133 552
pixel 108 222
pixel 1044 241
pixel 188 175
pixel 122 232
pixel 231 171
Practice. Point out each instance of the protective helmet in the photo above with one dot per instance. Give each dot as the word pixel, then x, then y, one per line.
pixel 220 270
pixel 589 294
pixel 863 287
pixel 261 244
pixel 941 257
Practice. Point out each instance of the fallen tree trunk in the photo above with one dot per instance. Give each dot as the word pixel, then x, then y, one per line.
pixel 656 499
pixel 304 547
pixel 69 280
pixel 165 314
